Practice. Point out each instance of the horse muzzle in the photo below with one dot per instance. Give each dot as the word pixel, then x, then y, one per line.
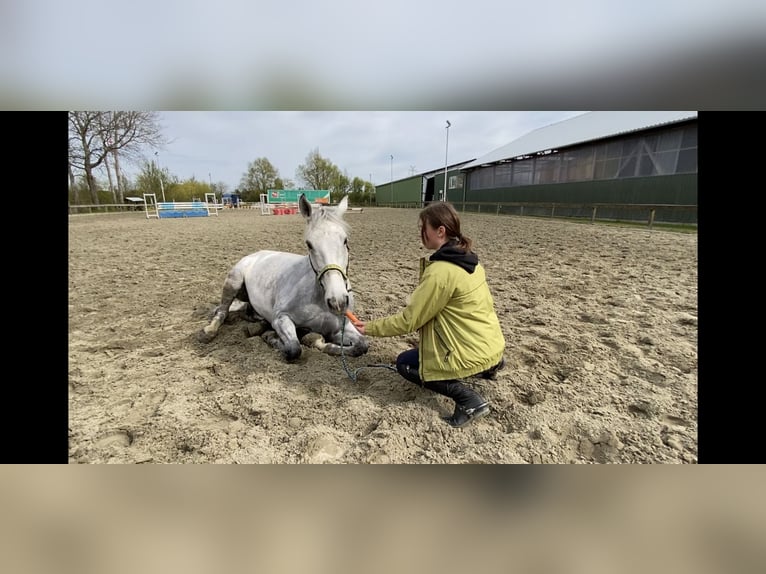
pixel 335 288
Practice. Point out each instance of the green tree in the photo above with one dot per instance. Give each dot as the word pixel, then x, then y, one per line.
pixel 148 181
pixel 189 190
pixel 261 176
pixel 318 172
pixel 361 192
pixel 340 186
pixel 285 183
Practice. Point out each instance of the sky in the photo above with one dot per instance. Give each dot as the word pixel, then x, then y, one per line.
pixel 218 146
pixel 397 55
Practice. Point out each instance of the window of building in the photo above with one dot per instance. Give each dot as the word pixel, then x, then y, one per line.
pixel 577 164
pixel 547 169
pixel 455 181
pixel 687 161
pixel 522 172
pixel 606 169
pixel 662 152
pixel 482 178
pixel 503 175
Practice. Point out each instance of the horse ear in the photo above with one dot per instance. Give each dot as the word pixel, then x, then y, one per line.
pixel 305 206
pixel 343 204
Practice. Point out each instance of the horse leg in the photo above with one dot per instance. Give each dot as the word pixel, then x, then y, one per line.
pixel 284 337
pixel 233 288
pixel 351 343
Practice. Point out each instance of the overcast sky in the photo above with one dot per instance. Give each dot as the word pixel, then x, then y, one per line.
pixel 219 145
pixel 401 55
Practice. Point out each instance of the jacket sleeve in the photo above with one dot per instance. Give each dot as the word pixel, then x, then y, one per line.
pixel 430 296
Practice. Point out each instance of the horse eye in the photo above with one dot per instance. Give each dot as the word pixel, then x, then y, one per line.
pixel 311 247
pixel 345 242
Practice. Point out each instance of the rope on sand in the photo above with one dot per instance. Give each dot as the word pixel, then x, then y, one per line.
pixel 354 375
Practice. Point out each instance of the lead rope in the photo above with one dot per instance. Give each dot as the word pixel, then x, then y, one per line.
pixel 354 375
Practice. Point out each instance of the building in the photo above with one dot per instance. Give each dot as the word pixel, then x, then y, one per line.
pixel 623 163
pixel 422 189
pixel 630 158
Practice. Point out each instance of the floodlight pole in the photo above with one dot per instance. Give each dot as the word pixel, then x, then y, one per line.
pixel 392 178
pixel 446 155
pixel 162 187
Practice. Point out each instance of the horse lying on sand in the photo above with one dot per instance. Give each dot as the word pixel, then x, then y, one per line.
pixel 303 298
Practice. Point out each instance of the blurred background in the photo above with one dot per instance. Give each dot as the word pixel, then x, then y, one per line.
pixel 186 54
pixel 103 519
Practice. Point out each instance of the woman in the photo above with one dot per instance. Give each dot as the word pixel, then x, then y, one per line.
pixel 453 311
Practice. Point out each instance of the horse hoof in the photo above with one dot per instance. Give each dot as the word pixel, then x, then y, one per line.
pixel 291 356
pixel 204 337
pixel 359 350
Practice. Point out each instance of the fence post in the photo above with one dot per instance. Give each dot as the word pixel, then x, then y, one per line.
pixel 651 217
pixel 593 217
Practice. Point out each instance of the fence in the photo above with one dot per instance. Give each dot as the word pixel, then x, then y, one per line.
pixel 627 212
pixel 105 208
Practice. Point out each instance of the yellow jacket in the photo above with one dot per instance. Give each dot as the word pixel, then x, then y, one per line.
pixel 453 312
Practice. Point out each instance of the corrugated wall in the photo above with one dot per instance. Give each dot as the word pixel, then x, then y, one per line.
pixel 403 191
pixel 677 189
pixel 672 189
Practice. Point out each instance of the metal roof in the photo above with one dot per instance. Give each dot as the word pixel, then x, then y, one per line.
pixel 580 129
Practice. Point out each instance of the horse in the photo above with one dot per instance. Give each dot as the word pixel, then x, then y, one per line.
pixel 302 298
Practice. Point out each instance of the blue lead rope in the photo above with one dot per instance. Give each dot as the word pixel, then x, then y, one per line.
pixel 354 375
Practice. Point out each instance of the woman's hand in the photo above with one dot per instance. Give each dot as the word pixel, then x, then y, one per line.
pixel 355 322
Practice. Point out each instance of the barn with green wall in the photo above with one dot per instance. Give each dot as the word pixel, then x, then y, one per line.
pixel 649 164
pixel 637 160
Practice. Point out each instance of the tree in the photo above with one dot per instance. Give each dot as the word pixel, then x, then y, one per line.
pixel 318 172
pixel 189 190
pixel 94 136
pixel 219 188
pixel 340 186
pixel 148 181
pixel 285 183
pixel 361 192
pixel 260 177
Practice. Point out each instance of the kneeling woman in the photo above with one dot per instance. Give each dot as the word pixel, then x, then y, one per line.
pixel 453 311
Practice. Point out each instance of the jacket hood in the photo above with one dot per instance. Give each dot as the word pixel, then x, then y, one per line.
pixel 467 260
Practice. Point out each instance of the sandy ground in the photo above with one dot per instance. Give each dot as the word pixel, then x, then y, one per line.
pixel 600 323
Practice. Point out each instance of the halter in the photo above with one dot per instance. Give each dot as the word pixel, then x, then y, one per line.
pixel 330 267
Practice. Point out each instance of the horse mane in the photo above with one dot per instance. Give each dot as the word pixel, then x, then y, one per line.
pixel 330 214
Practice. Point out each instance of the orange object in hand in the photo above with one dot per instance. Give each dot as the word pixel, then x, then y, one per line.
pixel 352 317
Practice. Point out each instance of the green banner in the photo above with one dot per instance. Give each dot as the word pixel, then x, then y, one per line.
pixel 292 195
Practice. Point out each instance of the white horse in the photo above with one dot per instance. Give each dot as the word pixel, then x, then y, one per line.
pixel 295 293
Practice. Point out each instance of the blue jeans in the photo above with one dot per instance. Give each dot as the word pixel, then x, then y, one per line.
pixel 407 365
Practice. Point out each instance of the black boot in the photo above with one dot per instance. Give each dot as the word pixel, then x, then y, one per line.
pixel 469 404
pixel 491 373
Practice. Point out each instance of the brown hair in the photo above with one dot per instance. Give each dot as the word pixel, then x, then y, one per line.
pixel 441 213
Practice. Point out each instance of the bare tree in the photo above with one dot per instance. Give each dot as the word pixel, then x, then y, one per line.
pixel 94 136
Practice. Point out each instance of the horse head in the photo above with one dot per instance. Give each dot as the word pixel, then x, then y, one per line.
pixel 327 241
